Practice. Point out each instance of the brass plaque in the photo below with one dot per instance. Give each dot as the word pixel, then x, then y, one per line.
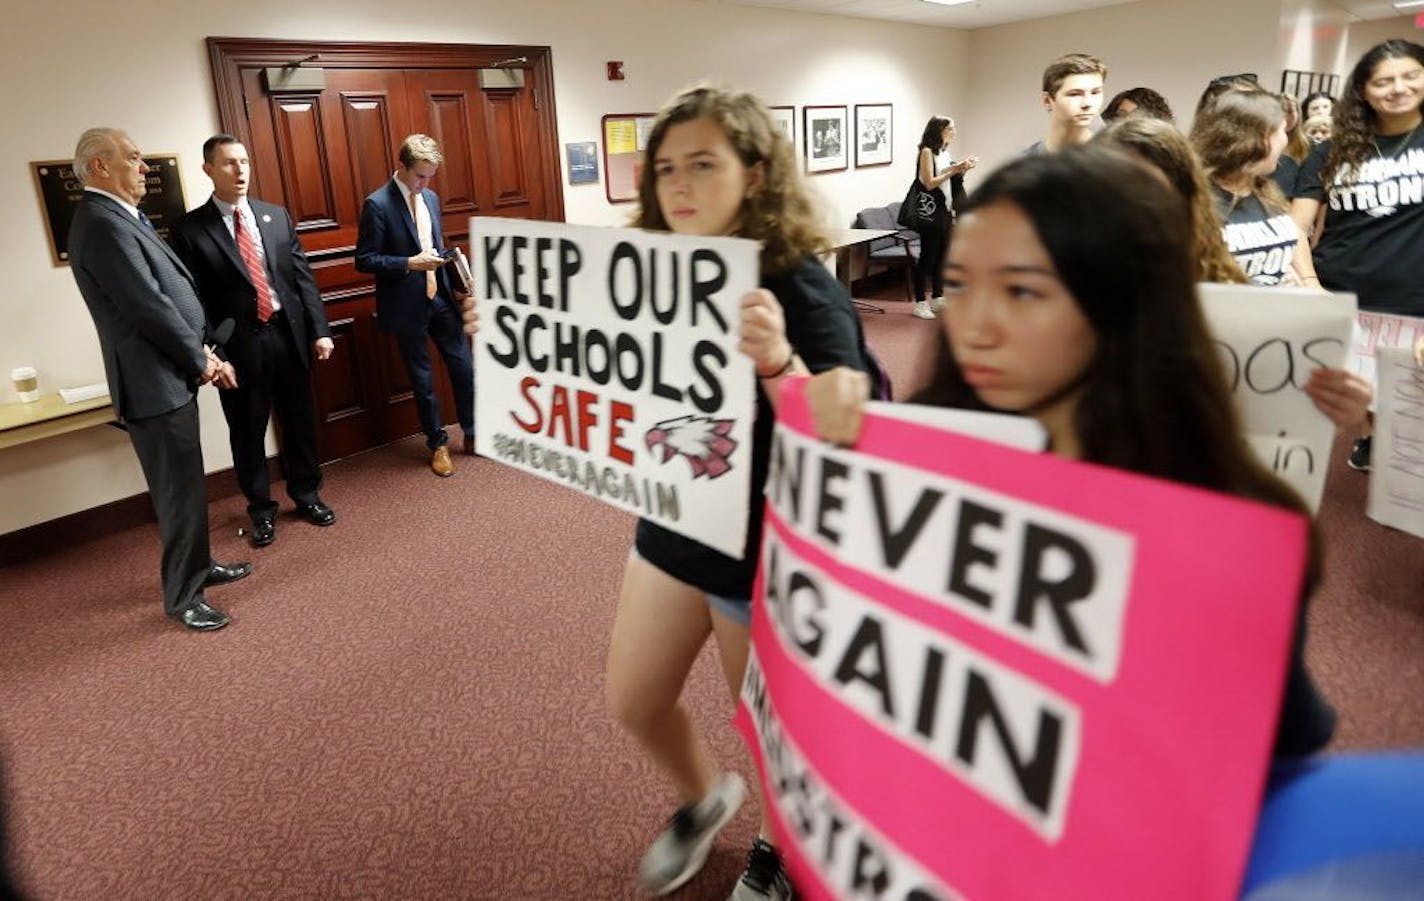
pixel 60 193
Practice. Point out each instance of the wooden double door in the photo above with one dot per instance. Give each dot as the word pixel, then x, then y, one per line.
pixel 320 152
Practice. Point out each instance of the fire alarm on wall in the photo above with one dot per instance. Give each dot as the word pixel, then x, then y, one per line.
pixel 615 70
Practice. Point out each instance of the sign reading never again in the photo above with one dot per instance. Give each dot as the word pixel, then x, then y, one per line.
pixel 958 645
pixel 607 361
pixel 60 192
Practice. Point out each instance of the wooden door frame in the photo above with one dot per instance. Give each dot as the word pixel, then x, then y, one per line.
pixel 228 56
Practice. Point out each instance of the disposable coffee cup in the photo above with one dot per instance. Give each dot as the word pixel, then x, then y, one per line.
pixel 27 383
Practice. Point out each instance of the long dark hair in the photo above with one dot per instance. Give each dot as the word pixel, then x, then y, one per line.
pixel 1155 398
pixel 1352 140
pixel 933 138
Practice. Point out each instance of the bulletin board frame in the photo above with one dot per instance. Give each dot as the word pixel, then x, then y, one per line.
pixel 625 136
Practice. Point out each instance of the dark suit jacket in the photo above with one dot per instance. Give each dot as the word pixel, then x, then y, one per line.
pixel 387 238
pixel 145 307
pixel 210 252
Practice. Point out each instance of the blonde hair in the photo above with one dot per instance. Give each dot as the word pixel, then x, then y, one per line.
pixel 95 144
pixel 420 149
pixel 780 212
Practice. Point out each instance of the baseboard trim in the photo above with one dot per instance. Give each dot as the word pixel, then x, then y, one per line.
pixel 43 539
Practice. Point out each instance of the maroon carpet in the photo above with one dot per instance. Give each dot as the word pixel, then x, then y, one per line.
pixel 409 703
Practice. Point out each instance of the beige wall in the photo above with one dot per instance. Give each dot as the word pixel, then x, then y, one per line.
pixel 1364 35
pixel 1313 36
pixel 1170 46
pixel 144 67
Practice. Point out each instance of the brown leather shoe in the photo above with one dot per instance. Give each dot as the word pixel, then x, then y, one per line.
pixel 469 445
pixel 440 462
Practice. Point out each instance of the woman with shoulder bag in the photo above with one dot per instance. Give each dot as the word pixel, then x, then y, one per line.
pixel 932 216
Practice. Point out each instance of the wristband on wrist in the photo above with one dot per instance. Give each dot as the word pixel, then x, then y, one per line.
pixel 785 367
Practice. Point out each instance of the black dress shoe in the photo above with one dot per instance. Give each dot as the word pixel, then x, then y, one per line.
pixel 221 575
pixel 469 445
pixel 317 513
pixel 201 617
pixel 264 531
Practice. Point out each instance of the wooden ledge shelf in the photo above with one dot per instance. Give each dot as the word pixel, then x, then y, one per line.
pixel 50 416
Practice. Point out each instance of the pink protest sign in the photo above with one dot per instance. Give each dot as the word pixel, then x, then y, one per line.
pixel 985 673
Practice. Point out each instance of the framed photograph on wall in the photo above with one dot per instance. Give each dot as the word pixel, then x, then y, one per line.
pixel 785 118
pixel 874 133
pixel 825 137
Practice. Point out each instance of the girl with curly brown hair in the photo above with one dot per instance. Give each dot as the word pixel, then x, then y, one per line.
pixel 716 164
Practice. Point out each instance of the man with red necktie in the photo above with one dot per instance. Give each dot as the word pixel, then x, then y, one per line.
pixel 250 268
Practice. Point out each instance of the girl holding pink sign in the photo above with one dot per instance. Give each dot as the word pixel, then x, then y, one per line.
pixel 1096 334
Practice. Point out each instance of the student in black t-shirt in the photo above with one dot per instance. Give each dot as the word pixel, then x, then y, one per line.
pixel 1042 320
pixel 715 164
pixel 1240 137
pixel 1341 395
pixel 1370 177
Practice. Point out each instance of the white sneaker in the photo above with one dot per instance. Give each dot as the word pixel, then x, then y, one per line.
pixel 675 856
pixel 936 304
pixel 923 311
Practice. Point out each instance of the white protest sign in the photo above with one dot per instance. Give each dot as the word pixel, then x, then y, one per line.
pixel 1022 432
pixel 607 361
pixel 1397 470
pixel 1376 330
pixel 1270 340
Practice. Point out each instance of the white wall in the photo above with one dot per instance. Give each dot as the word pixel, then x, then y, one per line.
pixel 1364 35
pixel 144 67
pixel 1313 36
pixel 1171 46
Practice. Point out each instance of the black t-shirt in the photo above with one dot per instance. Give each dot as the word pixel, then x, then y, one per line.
pixel 822 326
pixel 1373 240
pixel 1287 171
pixel 1262 242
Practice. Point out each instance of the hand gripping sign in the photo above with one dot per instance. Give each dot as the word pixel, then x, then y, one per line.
pixel 607 361
pixel 986 673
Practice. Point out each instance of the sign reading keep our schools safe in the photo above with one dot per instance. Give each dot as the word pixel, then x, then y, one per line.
pixel 1270 340
pixel 982 672
pixel 607 361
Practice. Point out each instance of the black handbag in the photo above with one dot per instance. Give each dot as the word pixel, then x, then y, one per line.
pixel 908 209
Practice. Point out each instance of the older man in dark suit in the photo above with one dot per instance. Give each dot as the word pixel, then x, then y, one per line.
pixel 250 268
pixel 399 241
pixel 151 331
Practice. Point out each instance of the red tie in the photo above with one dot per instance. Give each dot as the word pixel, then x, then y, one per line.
pixel 253 263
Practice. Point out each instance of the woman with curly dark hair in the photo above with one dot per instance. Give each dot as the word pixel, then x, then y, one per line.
pixel 1370 177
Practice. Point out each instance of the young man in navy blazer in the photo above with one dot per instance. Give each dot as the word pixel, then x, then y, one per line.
pixel 250 268
pixel 400 243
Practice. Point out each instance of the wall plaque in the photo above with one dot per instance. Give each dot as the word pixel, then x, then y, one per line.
pixel 60 193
